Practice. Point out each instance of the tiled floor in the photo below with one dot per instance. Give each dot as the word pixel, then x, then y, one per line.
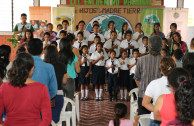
pixel 97 113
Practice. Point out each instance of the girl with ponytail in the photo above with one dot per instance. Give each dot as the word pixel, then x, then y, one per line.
pixel 120 110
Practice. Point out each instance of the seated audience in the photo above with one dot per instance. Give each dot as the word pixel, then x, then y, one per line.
pixel 188 63
pixel 177 57
pixel 120 110
pixel 23 98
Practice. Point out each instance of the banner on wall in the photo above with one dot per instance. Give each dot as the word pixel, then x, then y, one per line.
pixel 63 13
pixel 149 16
pixel 39 17
pixel 178 16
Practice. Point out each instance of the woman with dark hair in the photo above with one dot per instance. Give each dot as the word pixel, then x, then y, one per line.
pixel 165 109
pixel 23 98
pixel 120 110
pixel 121 35
pixel 157 31
pixel 51 56
pixel 67 57
pixel 111 27
pixel 173 29
pixel 177 39
pixel 158 87
pixel 184 104
pixel 5 64
pixel 27 37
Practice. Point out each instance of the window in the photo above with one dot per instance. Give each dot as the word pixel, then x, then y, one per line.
pixel 19 7
pixel 52 3
pixel 189 4
pixel 170 3
pixel 5 15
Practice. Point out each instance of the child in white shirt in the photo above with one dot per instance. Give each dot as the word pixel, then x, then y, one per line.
pixel 80 42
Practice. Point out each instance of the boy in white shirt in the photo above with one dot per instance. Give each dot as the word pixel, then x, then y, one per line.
pixel 63 34
pixel 65 25
pixel 132 62
pixel 113 68
pixel 93 46
pixel 143 49
pixel 81 26
pixel 96 33
pixel 80 42
pixel 46 39
pixel 138 35
pixel 113 44
pixel 128 44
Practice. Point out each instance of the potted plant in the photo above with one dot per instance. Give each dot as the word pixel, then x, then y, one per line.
pixel 13 40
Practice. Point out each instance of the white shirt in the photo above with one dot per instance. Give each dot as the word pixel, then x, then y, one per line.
pixel 96 55
pixel 124 66
pixel 131 62
pixel 115 62
pixel 142 49
pixel 68 31
pixel 92 48
pixel 88 60
pixel 92 36
pixel 107 34
pixel 44 43
pixel 5 79
pixel 135 36
pixel 156 88
pixel 124 45
pixel 58 41
pixel 120 36
pixel 76 44
pixel 108 45
pixel 86 34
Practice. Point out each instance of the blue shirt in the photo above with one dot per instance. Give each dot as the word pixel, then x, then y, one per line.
pixel 45 73
pixel 71 68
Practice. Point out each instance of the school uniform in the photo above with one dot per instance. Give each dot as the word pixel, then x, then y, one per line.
pixel 143 49
pixel 68 31
pixel 135 36
pixel 107 34
pixel 85 33
pixel 84 70
pixel 93 35
pixel 58 41
pixel 124 44
pixel 77 44
pixel 120 36
pixel 112 77
pixel 132 83
pixel 124 72
pixel 44 43
pixel 92 48
pixel 98 68
pixel 109 44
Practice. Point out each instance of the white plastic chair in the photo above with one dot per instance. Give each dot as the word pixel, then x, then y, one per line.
pixel 76 100
pixel 133 103
pixel 144 120
pixel 67 115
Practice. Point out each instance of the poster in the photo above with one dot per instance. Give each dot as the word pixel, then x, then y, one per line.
pixel 178 16
pixel 63 13
pixel 39 17
pixel 149 16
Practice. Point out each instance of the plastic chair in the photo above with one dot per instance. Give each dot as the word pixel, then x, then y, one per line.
pixel 76 100
pixel 144 120
pixel 133 94
pixel 67 115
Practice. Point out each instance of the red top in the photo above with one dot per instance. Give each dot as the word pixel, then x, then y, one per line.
pixel 24 105
pixel 168 111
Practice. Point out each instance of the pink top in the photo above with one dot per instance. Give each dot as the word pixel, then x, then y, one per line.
pixel 168 111
pixel 125 122
pixel 24 105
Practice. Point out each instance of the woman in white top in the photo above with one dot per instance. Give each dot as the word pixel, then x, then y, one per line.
pixel 111 27
pixel 158 87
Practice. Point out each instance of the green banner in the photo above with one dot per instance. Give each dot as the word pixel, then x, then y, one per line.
pixel 149 16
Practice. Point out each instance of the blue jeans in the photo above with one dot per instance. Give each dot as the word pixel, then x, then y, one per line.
pixel 154 122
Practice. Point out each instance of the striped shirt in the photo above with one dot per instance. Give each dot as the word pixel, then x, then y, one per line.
pixel 147 69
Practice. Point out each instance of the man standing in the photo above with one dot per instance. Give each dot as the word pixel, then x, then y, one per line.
pixel 148 69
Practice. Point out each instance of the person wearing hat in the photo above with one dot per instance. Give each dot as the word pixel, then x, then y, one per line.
pixel 147 69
